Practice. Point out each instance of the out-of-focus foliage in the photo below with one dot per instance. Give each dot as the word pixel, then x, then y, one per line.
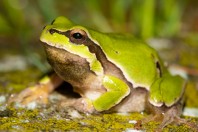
pixel 146 18
pixel 21 21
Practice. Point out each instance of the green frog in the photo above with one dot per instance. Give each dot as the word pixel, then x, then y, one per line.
pixel 111 72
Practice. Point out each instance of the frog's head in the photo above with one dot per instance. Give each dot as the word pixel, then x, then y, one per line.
pixel 70 39
pixel 64 34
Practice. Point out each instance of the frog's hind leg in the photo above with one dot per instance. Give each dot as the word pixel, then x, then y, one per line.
pixel 38 92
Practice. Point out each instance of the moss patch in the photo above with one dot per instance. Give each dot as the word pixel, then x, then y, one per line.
pixel 33 120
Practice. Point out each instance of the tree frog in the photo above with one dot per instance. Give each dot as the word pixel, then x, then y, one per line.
pixel 111 72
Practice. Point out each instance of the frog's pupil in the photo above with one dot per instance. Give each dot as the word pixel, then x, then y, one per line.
pixel 77 36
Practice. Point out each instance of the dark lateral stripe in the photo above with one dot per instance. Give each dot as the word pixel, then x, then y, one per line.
pixel 52 31
pixel 106 64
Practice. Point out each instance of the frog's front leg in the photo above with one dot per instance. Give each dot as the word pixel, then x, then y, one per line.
pixel 38 92
pixel 116 91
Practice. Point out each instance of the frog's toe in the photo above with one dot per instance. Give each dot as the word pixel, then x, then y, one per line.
pixel 171 116
pixel 150 118
pixel 83 105
pixel 177 121
pixel 36 93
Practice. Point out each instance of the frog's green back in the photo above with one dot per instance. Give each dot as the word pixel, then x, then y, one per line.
pixel 136 59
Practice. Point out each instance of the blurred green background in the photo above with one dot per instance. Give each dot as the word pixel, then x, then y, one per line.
pixel 145 18
pixel 170 24
pixel 21 21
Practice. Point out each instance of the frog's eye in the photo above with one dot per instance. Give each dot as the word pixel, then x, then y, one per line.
pixel 78 36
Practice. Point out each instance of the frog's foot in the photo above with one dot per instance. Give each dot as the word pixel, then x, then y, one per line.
pixel 38 93
pixel 81 104
pixel 150 118
pixel 171 116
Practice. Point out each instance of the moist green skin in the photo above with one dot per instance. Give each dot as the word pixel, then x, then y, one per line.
pixel 137 64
